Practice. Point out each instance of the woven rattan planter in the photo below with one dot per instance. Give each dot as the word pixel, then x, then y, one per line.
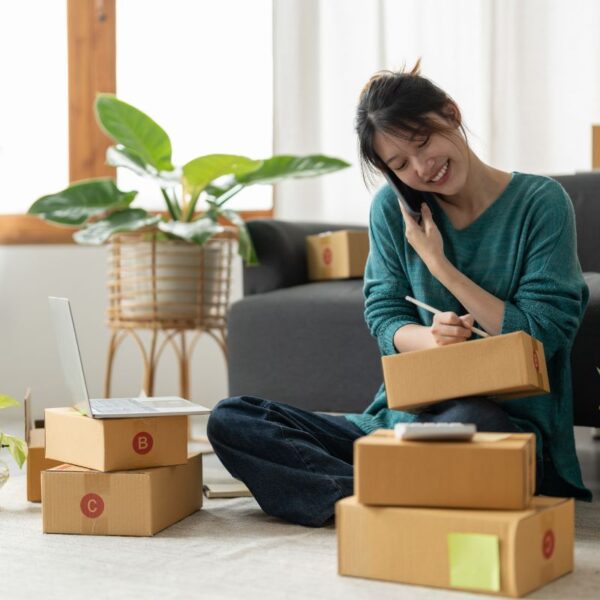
pixel 158 284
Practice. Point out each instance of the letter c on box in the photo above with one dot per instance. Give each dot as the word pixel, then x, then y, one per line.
pixel 92 505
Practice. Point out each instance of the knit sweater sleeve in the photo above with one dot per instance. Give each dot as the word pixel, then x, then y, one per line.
pixel 551 295
pixel 386 281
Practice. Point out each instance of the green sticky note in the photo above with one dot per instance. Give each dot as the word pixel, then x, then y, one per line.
pixel 474 560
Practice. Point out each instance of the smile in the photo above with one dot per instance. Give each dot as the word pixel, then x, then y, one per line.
pixel 440 174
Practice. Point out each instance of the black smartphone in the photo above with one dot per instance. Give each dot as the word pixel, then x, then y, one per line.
pixel 409 198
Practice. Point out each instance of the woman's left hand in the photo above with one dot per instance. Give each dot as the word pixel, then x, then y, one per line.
pixel 425 238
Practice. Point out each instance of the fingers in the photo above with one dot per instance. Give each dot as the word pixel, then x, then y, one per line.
pixel 448 327
pixel 468 320
pixel 427 217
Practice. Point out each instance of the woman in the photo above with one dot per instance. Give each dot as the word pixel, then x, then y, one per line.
pixel 493 247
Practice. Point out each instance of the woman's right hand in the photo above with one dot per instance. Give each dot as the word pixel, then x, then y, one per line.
pixel 449 328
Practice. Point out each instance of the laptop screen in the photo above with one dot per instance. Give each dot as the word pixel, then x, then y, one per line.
pixel 68 349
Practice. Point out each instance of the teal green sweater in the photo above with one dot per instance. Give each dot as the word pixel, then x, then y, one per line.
pixel 522 249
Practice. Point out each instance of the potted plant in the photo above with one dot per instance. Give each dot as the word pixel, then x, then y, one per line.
pixel 103 212
pixel 14 445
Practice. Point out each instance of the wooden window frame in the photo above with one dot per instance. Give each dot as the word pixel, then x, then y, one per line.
pixel 91 33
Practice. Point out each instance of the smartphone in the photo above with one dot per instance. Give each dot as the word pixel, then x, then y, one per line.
pixel 409 198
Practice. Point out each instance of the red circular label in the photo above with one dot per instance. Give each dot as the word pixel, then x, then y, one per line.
pixel 327 256
pixel 142 442
pixel 536 360
pixel 548 544
pixel 92 505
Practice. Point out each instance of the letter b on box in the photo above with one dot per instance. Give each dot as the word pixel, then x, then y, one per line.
pixel 142 442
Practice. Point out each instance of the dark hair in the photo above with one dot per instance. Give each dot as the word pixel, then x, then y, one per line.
pixel 397 102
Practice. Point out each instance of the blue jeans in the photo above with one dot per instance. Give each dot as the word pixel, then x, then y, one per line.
pixel 298 464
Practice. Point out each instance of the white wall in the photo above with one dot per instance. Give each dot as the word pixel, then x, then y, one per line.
pixel 28 356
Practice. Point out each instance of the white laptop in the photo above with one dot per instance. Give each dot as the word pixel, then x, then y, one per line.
pixel 105 408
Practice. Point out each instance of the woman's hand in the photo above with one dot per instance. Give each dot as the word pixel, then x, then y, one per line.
pixel 425 238
pixel 449 328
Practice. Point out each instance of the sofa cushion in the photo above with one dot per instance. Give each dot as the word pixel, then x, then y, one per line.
pixel 306 345
pixel 585 358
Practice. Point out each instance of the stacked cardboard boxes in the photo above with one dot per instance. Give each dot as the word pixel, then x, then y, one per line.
pixel 455 514
pixel 117 476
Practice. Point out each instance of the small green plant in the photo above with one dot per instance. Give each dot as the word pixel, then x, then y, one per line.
pixel 142 146
pixel 16 446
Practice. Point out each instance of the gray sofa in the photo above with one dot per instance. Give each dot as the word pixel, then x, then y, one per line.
pixel 306 343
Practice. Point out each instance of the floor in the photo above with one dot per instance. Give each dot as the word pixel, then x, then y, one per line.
pixel 230 549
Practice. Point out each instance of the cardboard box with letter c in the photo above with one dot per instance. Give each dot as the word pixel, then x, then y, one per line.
pixel 138 503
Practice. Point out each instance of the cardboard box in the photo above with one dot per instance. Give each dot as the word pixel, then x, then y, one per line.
pixel 501 366
pixel 36 463
pixel 140 503
pixel 496 552
pixel 115 444
pixel 493 471
pixel 337 255
pixel 36 459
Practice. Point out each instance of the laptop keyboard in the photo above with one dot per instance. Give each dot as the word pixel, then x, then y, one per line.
pixel 121 406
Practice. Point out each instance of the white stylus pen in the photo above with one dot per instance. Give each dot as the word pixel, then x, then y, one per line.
pixel 479 332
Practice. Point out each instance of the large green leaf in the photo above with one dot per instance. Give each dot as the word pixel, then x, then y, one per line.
pixel 119 156
pixel 80 201
pixel 246 247
pixel 282 167
pixel 199 172
pixel 135 130
pixel 197 232
pixel 7 402
pixel 130 219
pixel 16 447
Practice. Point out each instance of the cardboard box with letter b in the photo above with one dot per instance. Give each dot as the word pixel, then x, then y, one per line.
pixel 115 444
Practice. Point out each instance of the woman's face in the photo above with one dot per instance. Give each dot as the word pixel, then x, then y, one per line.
pixel 436 163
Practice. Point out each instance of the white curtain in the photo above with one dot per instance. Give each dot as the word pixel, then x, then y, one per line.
pixel 524 72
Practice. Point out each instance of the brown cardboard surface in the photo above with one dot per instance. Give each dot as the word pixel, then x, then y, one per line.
pixel 493 471
pixel 502 366
pixel 36 463
pixel 138 503
pixel 115 444
pixel 337 255
pixel 410 545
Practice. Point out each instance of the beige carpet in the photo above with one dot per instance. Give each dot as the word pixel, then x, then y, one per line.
pixel 230 549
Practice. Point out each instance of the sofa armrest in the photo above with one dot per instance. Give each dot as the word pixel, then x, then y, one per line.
pixel 281 250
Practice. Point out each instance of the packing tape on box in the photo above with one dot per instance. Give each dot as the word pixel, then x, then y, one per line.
pixel 484 437
pixel 92 505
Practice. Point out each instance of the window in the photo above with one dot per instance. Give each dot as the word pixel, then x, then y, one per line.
pixel 33 103
pixel 203 72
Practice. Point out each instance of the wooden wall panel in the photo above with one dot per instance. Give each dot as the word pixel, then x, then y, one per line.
pixel 595 146
pixel 92 69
